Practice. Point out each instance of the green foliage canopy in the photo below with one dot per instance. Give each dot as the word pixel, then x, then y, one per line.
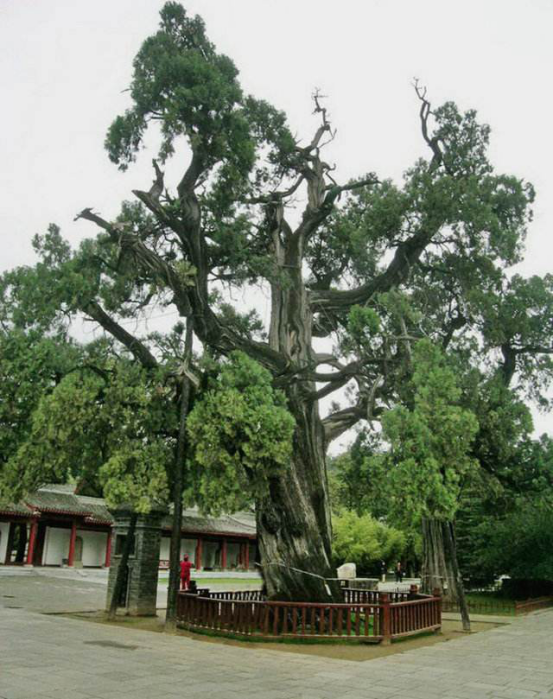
pixel 362 540
pixel 240 434
pixel 111 427
pixel 430 440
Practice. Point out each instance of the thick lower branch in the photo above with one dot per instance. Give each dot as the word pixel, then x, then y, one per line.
pixel 341 421
pixel 407 254
pixel 140 352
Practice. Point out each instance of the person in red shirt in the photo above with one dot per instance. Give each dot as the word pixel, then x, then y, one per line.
pixel 185 568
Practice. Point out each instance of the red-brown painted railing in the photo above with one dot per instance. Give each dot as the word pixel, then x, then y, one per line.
pixel 531 605
pixel 374 619
pixel 414 616
pixel 239 595
pixel 373 596
pixel 501 607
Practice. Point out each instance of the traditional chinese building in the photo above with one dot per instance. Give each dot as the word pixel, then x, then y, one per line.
pixel 57 527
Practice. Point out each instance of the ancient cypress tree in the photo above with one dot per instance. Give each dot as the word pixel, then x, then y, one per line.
pixel 366 265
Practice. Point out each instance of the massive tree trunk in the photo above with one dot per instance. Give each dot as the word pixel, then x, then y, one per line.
pixel 293 521
pixel 439 566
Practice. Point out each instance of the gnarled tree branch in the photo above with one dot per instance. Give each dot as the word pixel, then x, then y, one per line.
pixel 138 349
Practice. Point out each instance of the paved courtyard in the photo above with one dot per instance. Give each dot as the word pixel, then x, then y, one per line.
pixel 72 590
pixel 47 656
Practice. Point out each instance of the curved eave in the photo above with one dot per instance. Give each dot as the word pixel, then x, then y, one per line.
pixel 102 522
pixel 23 515
pixel 232 535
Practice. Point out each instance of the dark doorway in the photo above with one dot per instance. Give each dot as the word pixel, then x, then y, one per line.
pixel 17 544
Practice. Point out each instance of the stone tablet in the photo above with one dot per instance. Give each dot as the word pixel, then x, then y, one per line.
pixel 348 571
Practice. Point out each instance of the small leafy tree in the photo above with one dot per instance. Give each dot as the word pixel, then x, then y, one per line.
pixel 31 366
pixel 362 540
pixel 503 520
pixel 519 542
pixel 430 456
pixel 111 427
pixel 354 476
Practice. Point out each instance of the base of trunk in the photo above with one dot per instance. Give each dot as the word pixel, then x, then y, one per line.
pixel 440 569
pixel 294 552
pixel 293 518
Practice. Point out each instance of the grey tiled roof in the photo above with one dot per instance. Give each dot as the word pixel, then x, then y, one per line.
pixel 240 524
pixel 97 509
pixel 59 488
pixel 11 509
pixel 58 502
pixel 61 499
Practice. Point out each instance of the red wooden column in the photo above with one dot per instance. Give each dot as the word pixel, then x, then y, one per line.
pixel 199 554
pixel 107 561
pixel 224 555
pixel 247 555
pixel 71 556
pixel 32 542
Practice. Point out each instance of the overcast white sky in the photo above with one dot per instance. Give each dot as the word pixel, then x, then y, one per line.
pixel 65 63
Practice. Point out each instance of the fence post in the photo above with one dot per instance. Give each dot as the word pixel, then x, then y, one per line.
pixel 386 629
pixel 437 592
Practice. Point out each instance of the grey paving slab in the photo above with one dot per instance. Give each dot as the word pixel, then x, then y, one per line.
pixel 47 657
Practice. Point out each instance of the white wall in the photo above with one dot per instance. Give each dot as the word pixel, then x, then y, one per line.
pixel 164 548
pixel 94 547
pixel 4 529
pixel 56 546
pixel 186 546
pixel 189 546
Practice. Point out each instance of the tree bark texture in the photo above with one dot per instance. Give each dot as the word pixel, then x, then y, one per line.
pixel 293 521
pixel 439 566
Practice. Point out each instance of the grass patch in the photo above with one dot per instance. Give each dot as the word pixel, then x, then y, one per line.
pixel 322 648
pixel 490 603
pixel 207 582
pixel 281 640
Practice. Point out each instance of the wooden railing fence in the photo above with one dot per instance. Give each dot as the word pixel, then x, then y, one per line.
pixel 532 604
pixel 501 607
pixel 365 615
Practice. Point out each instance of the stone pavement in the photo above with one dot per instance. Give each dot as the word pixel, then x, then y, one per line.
pixel 47 657
pixel 52 594
pixel 72 590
